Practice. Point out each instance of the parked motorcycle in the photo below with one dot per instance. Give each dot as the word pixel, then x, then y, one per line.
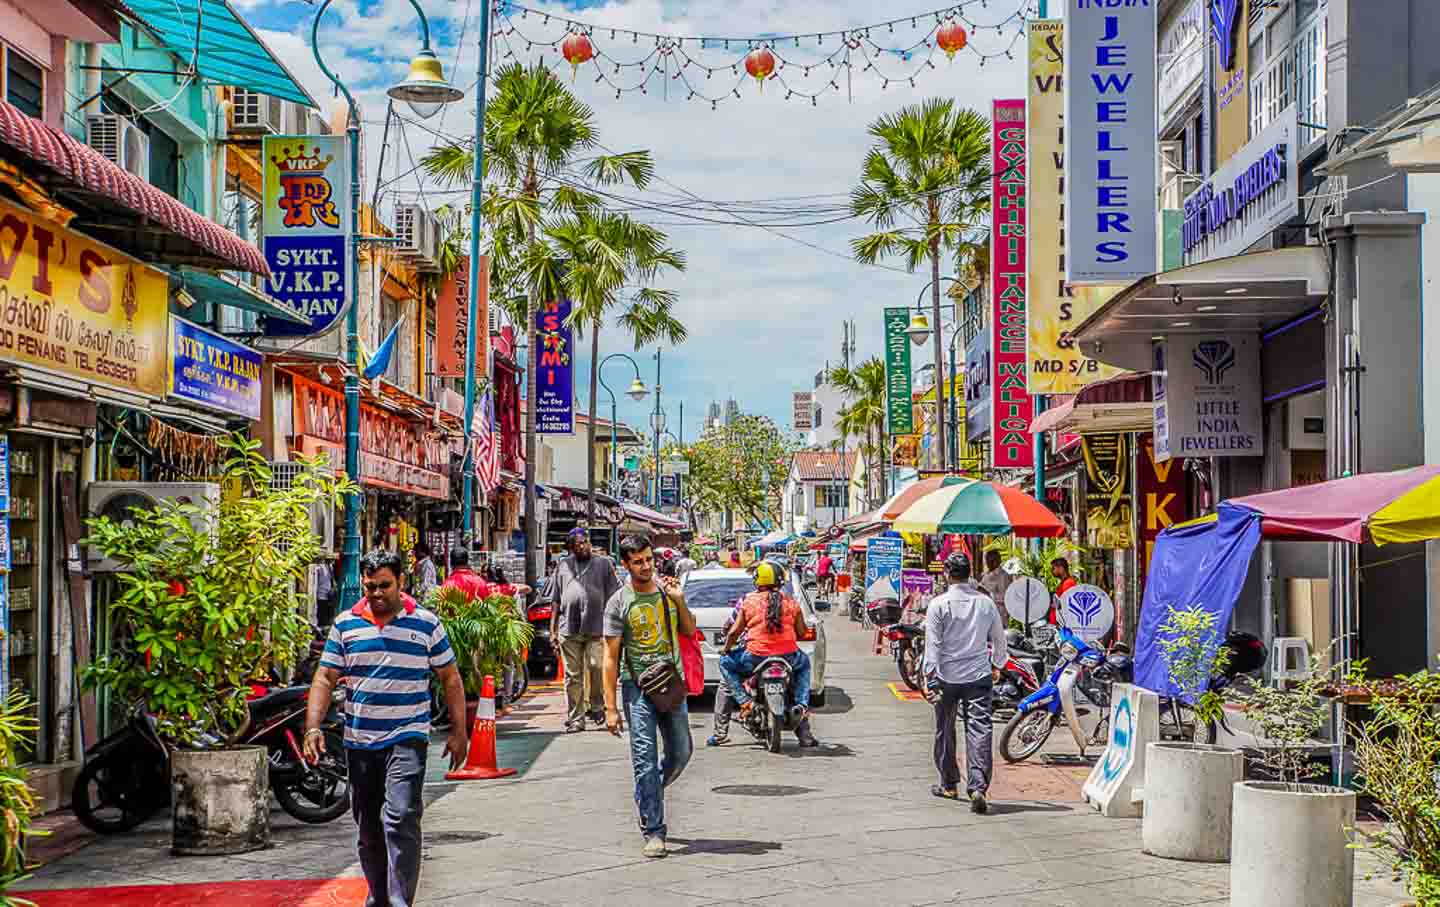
pixel 544 658
pixel 1082 672
pixel 1020 675
pixel 907 647
pixel 126 778
pixel 771 687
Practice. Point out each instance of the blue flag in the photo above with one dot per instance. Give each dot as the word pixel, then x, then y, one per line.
pixel 380 362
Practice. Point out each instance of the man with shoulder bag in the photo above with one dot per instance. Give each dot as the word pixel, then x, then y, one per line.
pixel 644 622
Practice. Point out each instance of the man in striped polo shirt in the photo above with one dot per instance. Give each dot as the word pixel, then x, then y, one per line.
pixel 386 648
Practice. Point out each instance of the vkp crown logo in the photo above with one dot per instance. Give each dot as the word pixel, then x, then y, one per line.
pixel 1085 605
pixel 1225 25
pixel 1214 358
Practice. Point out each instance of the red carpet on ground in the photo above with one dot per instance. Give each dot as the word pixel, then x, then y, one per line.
pixel 283 893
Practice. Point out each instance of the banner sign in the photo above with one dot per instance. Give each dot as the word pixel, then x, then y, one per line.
pixel 1108 508
pixel 74 307
pixel 1110 147
pixel 897 372
pixel 306 226
pixel 1054 307
pixel 1160 493
pixel 670 491
pixel 555 377
pixel 804 406
pixel 214 371
pixel 1254 193
pixel 979 387
pixel 1230 76
pixel 1010 438
pixel 916 587
pixel 1209 397
pixel 452 312
pixel 882 568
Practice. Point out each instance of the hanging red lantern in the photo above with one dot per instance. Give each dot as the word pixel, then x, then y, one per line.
pixel 577 49
pixel 760 63
pixel 952 38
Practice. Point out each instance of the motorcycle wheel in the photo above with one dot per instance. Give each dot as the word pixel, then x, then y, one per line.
pixel 520 685
pixel 1024 734
pixel 321 792
pixel 110 798
pixel 1191 729
pixel 909 665
pixel 777 728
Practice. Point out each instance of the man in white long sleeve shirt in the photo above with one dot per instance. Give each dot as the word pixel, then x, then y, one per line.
pixel 964 640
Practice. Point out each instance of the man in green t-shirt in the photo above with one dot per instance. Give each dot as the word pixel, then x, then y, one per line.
pixel 639 633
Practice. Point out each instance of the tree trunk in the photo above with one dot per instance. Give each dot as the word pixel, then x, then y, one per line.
pixel 590 439
pixel 532 523
pixel 939 351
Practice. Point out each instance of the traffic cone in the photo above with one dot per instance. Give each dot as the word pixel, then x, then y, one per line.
pixel 480 765
pixel 559 666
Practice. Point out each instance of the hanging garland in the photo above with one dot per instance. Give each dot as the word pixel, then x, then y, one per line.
pixel 805 66
pixel 189 454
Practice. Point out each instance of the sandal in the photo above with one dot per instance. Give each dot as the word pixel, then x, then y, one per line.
pixel 944 794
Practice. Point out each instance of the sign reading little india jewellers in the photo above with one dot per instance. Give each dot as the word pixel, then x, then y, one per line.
pixel 306 223
pixel 1207 396
pixel 1256 192
pixel 1110 147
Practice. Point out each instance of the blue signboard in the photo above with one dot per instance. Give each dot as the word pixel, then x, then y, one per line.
pixel 306 223
pixel 210 370
pixel 4 474
pixel 555 372
pixel 882 568
pixel 669 491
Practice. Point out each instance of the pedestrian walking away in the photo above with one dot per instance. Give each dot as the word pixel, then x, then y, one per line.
pixel 643 623
pixel 964 640
pixel 385 649
pixel 582 584
pixel 427 577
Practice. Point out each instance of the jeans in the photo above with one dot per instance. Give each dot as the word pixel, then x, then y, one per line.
pixel 972 701
pixel 652 772
pixel 385 797
pixel 740 664
pixel 584 679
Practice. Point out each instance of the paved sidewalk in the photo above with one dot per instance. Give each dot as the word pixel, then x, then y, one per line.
pixel 851 823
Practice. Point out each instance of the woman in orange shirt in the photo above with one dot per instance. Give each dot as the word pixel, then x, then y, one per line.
pixel 772 624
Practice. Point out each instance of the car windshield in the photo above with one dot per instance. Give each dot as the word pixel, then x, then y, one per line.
pixel 716 592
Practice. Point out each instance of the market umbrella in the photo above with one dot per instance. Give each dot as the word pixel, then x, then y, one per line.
pixel 1380 507
pixel 901 500
pixel 969 506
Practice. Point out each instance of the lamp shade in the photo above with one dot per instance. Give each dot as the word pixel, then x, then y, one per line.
pixel 637 390
pixel 425 89
pixel 919 328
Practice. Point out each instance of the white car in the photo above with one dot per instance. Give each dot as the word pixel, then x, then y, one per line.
pixel 711 595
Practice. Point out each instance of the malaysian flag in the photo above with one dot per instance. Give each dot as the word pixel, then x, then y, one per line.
pixel 487 448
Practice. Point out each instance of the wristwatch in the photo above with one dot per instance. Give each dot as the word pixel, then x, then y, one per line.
pixel 314 730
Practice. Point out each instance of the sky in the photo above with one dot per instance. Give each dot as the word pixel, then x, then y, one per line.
pixel 764 310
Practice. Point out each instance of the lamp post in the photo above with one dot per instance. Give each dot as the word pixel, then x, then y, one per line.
pixel 426 91
pixel 637 393
pixel 472 304
pixel 918 330
pixel 657 423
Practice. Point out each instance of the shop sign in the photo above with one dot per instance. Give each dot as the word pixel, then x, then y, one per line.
pixel 214 371
pixel 1010 438
pixel 897 372
pixel 1182 55
pixel 1054 307
pixel 1208 403
pixel 72 306
pixel 452 313
pixel 1087 611
pixel 1254 193
pixel 670 491
pixel 883 555
pixel 555 374
pixel 803 403
pixel 1108 507
pixel 1230 33
pixel 1110 147
pixel 905 452
pixel 306 227
pixel 916 587
pixel 1160 488
pixel 978 387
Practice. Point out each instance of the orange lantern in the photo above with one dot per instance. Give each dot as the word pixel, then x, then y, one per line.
pixel 576 49
pixel 952 38
pixel 760 63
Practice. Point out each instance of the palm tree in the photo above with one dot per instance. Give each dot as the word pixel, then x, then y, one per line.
pixel 536 135
pixel 864 414
pixel 924 186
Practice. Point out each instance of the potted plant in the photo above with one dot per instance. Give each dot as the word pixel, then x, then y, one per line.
pixel 1188 786
pixel 17 801
pixel 1289 845
pixel 1396 754
pixel 488 636
pixel 208 600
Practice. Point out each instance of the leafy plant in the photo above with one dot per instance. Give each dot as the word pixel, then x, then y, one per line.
pixel 208 600
pixel 1190 646
pixel 1396 754
pixel 18 726
pixel 487 634
pixel 1035 558
pixel 1289 718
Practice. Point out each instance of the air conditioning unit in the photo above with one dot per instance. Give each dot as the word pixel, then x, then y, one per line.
pixel 118 500
pixel 256 114
pixel 419 233
pixel 322 513
pixel 120 142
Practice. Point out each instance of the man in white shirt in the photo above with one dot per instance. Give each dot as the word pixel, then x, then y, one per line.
pixel 996 582
pixel 964 640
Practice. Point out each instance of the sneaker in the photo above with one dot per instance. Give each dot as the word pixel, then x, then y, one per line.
pixel 574 727
pixel 717 740
pixel 978 803
pixel 654 848
pixel 944 793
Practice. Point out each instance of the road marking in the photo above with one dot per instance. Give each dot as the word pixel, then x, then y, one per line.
pixel 907 694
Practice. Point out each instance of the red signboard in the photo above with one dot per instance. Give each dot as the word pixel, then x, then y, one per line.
pixel 452 308
pixel 1010 438
pixel 1161 497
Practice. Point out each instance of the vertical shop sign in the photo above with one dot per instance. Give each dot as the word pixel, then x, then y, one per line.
pixel 1110 147
pixel 1230 35
pixel 897 372
pixel 452 313
pixel 803 403
pixel 1209 401
pixel 1012 410
pixel 306 224
pixel 1160 488
pixel 555 374
pixel 1054 308
pixel 978 387
pixel 1108 508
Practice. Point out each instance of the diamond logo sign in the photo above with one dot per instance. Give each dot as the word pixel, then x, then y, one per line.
pixel 1214 358
pixel 1087 611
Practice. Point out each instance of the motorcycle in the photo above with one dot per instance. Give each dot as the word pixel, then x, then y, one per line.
pixel 1020 675
pixel 907 647
pixel 1081 669
pixel 126 778
pixel 770 686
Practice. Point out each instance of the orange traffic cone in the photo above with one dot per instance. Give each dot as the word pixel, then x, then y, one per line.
pixel 559 666
pixel 481 763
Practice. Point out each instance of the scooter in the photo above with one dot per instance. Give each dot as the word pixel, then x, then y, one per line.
pixel 1020 675
pixel 1082 670
pixel 907 647
pixel 770 686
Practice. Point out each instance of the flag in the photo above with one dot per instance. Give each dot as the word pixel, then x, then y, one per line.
pixel 487 449
pixel 380 362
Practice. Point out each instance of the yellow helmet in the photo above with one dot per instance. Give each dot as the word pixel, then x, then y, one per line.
pixel 768 574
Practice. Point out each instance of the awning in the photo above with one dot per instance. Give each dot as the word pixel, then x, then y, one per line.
pixel 115 206
pixel 861 519
pixel 223 289
pixel 223 46
pixel 1121 403
pixel 1408 136
pixel 653 517
pixel 1382 507
pixel 1247 293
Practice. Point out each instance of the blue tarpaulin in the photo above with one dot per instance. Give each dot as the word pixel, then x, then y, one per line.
pixel 1200 565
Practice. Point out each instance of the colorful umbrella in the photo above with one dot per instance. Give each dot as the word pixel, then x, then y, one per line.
pixel 902 499
pixel 979 508
pixel 1380 507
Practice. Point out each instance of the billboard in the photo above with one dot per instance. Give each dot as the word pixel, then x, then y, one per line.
pixel 1108 507
pixel 979 387
pixel 452 311
pixel 804 406
pixel 1012 408
pixel 897 372
pixel 555 372
pixel 305 221
pixel 1110 148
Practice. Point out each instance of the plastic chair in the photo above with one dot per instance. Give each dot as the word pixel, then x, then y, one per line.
pixel 1288 651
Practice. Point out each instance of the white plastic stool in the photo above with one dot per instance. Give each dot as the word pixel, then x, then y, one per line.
pixel 1286 649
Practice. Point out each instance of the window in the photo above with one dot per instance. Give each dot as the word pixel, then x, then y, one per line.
pixel 832 496
pixel 798 507
pixel 24 84
pixel 432 384
pixel 389 314
pixel 1309 58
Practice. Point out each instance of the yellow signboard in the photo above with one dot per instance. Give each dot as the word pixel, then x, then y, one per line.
pixel 73 306
pixel 1056 365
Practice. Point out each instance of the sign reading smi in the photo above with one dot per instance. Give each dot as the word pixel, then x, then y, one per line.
pixel 1209 209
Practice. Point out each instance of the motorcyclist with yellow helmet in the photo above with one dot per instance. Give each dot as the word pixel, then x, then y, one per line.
pixel 771 623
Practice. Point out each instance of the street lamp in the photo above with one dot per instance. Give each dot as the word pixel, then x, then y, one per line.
pixel 426 86
pixel 637 393
pixel 919 329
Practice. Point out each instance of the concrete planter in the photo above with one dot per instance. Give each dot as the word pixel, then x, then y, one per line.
pixel 1188 796
pixel 222 800
pixel 1289 845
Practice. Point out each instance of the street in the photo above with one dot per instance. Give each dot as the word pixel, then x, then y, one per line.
pixel 850 823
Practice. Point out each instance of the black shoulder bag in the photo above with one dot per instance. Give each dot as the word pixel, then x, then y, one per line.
pixel 662 683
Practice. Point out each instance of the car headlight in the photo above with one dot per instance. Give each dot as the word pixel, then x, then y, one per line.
pixel 1068 651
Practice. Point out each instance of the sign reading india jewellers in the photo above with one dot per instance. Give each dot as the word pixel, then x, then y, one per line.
pixel 1256 192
